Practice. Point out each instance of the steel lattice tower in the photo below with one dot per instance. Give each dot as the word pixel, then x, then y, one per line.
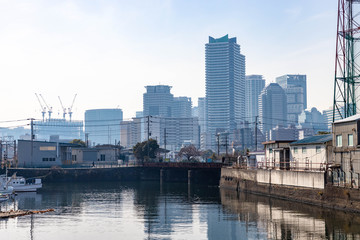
pixel 347 61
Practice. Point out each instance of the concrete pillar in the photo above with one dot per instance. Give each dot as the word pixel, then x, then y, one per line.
pixel 161 175
pixel 189 176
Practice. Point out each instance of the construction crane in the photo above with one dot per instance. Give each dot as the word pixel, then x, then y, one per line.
pixel 43 109
pixel 63 108
pixel 49 108
pixel 70 108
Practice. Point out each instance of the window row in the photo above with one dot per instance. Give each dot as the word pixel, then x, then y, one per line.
pixel 48 159
pixel 350 140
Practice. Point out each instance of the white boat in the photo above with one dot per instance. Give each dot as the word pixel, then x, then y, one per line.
pixel 6 190
pixel 20 184
pixel 4 197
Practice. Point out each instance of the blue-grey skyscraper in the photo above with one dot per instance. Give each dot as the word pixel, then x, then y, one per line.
pixel 225 84
pixel 103 125
pixel 181 107
pixel 295 88
pixel 254 84
pixel 158 101
pixel 272 107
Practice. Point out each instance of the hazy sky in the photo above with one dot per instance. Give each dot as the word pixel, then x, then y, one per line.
pixel 107 51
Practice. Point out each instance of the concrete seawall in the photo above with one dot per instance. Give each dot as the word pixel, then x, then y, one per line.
pixel 304 187
pixel 202 176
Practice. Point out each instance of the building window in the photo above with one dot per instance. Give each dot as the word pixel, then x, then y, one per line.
pixel 303 149
pixel 47 148
pixel 45 159
pixel 318 149
pixel 74 157
pixel 102 157
pixel 270 150
pixel 350 140
pixel 339 140
pixel 295 150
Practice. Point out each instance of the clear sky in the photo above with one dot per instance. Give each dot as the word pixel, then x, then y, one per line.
pixel 106 51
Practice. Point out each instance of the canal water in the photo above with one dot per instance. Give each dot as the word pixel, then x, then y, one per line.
pixel 150 210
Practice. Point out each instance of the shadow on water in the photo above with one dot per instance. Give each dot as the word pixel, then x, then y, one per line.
pixel 282 219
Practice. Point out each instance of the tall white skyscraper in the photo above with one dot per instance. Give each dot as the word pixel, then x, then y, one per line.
pixel 254 84
pixel 225 85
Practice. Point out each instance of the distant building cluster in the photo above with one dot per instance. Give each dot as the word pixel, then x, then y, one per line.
pixel 238 112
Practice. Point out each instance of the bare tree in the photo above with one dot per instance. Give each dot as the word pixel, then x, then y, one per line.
pixel 188 152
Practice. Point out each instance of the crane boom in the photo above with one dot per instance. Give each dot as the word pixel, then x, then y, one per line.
pixel 70 108
pixel 63 108
pixel 43 109
pixel 49 108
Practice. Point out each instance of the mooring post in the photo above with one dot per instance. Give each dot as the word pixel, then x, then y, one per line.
pixel 189 176
pixel 161 175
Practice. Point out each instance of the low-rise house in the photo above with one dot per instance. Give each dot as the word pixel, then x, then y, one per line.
pixel 277 154
pixel 311 153
pixel 346 145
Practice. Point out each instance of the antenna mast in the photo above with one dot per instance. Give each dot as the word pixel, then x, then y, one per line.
pixel 347 62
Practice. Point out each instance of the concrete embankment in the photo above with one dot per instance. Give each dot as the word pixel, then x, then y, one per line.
pixel 202 176
pixel 304 187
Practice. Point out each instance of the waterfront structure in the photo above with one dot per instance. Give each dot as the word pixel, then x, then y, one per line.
pixel 61 129
pixel 44 153
pixel 346 135
pixel 311 153
pixel 102 126
pixel 272 108
pixel 277 154
pixel 181 107
pixel 254 84
pixel 225 85
pixel 158 101
pixel 296 92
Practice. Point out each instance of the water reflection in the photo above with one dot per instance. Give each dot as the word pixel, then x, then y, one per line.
pixel 281 219
pixel 150 210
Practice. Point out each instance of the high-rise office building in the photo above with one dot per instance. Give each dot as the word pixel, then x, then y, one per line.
pixel 225 85
pixel 181 107
pixel 158 101
pixel 295 88
pixel 272 107
pixel 102 126
pixel 329 116
pixel 254 84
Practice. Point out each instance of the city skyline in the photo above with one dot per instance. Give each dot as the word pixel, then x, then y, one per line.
pixel 63 48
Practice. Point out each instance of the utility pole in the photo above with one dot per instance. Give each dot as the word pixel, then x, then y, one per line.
pixel 226 143
pixel 148 128
pixel 32 141
pixel 87 139
pixel 218 144
pixel 256 118
pixel 165 141
pixel 15 154
pixel 148 136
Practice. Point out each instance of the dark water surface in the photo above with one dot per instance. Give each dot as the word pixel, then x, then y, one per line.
pixel 150 210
